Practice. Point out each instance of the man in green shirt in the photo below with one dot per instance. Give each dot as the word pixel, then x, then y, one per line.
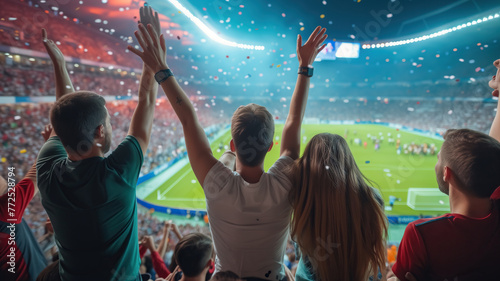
pixel 91 199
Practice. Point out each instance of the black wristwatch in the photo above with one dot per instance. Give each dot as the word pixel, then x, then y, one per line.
pixel 306 70
pixel 163 75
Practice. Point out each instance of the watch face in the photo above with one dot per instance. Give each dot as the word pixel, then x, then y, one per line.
pixel 160 75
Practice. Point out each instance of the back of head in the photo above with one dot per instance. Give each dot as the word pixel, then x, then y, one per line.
pixel 225 276
pixel 192 253
pixel 75 118
pixel 338 220
pixel 252 129
pixel 474 159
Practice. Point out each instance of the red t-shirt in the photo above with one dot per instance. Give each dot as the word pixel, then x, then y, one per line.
pixel 24 192
pixel 451 247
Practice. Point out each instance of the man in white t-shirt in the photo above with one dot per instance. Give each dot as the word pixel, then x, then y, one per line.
pixel 248 209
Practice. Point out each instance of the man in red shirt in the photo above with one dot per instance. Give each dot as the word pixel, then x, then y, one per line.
pixel 20 255
pixel 465 244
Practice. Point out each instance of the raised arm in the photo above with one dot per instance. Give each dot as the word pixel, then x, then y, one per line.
pixel 290 139
pixel 198 148
pixel 142 119
pixel 495 85
pixel 63 82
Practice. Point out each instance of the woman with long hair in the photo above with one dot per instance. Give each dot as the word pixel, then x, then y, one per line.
pixel 339 222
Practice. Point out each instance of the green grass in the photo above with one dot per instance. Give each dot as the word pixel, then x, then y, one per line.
pixel 393 174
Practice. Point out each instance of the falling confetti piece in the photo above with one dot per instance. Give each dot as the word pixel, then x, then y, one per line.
pixel 322 16
pixel 302 29
pixel 22 151
pixel 178 37
pixel 4 159
pixel 283 15
pixel 367 162
pixel 227 57
pixel 279 65
pixel 248 57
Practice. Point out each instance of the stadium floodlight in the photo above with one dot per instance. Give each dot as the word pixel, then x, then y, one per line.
pixel 209 32
pixel 429 36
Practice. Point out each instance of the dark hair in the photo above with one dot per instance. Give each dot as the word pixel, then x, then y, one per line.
pixel 75 117
pixel 474 159
pixel 192 253
pixel 225 276
pixel 252 129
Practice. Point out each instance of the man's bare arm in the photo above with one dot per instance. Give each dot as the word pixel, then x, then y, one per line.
pixel 199 152
pixel 63 81
pixel 142 119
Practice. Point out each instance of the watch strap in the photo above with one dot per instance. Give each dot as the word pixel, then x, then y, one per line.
pixel 306 70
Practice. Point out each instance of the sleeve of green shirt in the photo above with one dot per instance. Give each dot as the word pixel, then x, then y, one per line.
pixel 127 160
pixel 52 150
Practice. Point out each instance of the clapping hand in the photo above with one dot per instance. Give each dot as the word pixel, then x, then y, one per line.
pixel 47 130
pixel 171 277
pixel 307 53
pixel 149 243
pixel 495 81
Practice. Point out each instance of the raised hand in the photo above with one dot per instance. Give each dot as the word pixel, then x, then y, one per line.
pixel 149 243
pixel 55 54
pixel 154 52
pixel 148 17
pixel 171 277
pixel 495 81
pixel 307 53
pixel 47 130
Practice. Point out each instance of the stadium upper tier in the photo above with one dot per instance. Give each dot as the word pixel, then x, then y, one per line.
pixel 21 26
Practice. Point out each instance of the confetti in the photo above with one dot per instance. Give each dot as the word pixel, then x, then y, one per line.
pixel 322 16
pixel 23 151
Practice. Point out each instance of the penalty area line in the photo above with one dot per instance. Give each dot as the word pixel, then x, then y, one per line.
pixel 160 195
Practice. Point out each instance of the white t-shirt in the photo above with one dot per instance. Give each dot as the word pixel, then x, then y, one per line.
pixel 249 222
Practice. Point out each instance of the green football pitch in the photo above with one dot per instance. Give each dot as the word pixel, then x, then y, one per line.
pixel 393 174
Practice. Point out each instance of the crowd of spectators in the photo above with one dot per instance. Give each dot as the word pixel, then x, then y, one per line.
pixel 35 79
pixel 21 24
pixel 22 123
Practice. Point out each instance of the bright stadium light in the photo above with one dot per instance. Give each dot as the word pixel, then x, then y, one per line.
pixel 429 36
pixel 209 32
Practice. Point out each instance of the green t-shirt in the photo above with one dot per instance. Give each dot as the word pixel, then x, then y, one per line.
pixel 93 208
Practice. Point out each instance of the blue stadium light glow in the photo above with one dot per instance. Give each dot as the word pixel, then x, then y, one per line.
pixel 209 32
pixel 432 35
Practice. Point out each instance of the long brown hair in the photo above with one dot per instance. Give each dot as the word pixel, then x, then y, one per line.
pixel 338 222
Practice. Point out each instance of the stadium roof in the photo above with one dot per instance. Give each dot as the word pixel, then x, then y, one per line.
pixel 275 23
